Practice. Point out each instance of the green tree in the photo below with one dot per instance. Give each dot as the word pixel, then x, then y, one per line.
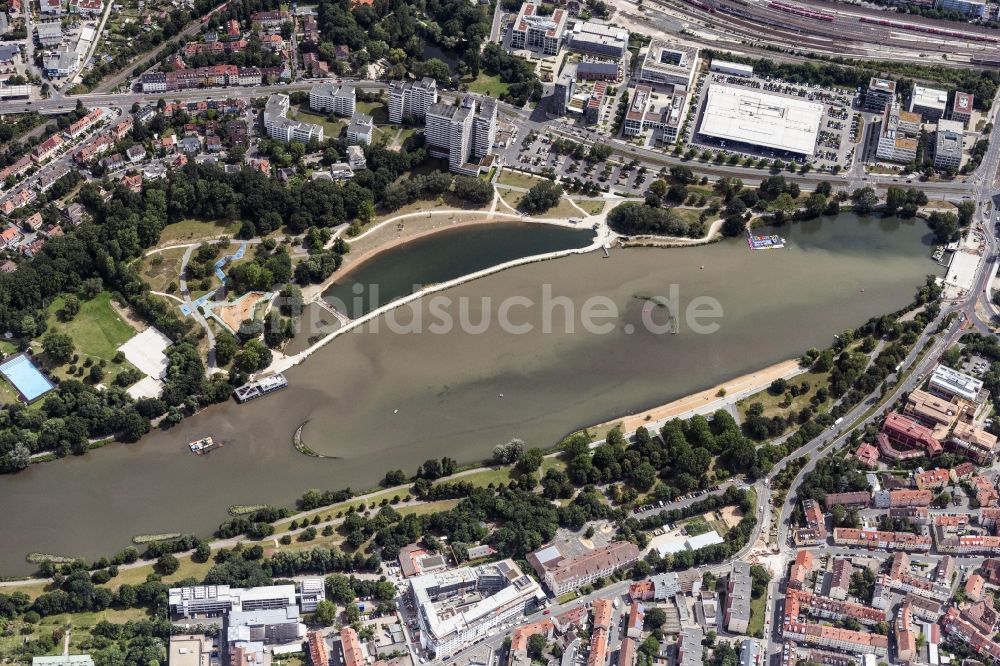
pixel 167 564
pixel 325 613
pixel 536 645
pixel 58 347
pixel 71 307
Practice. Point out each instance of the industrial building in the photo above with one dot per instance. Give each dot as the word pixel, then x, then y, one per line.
pixel 284 129
pixel 411 99
pixel 49 34
pixel 599 40
pixel 530 30
pixel 731 68
pixel 880 93
pixel 948 144
pixel 750 117
pixel 669 63
pixel 59 64
pixel 931 103
pixel 971 8
pixel 463 134
pixel 457 607
pixel 333 98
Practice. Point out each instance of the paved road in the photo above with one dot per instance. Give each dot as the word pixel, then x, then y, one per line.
pixel 526 119
pixel 182 282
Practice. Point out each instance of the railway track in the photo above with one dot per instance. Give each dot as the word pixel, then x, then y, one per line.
pixel 806 27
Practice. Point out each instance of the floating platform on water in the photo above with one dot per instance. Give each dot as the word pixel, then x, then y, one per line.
pixel 769 242
pixel 259 388
pixel 204 445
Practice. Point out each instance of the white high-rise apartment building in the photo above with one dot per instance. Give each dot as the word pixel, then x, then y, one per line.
pixel 333 98
pixel 411 99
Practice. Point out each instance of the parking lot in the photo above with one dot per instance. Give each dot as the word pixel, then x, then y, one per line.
pixel 837 130
pixel 536 153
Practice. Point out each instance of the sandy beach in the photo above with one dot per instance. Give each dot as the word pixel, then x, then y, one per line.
pixel 706 401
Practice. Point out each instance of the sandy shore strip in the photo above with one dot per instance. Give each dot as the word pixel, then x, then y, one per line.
pixel 707 401
pixel 392 235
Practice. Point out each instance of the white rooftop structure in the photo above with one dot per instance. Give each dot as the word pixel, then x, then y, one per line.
pixel 727 67
pixel 146 352
pixel 710 538
pixel 219 599
pixel 929 99
pixel 953 382
pixel 311 592
pixel 64 660
pixel 749 116
pixel 459 606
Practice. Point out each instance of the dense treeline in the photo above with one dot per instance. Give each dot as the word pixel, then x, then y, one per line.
pixel 642 219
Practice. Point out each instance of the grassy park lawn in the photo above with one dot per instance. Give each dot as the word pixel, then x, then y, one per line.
pixel 518 179
pixel 80 625
pixel 563 210
pixel 774 404
pixel 592 207
pixel 160 269
pixel 8 394
pixel 377 110
pixel 689 215
pixel 331 129
pixel 484 84
pixel 697 525
pixel 758 610
pixel 97 332
pixel 190 230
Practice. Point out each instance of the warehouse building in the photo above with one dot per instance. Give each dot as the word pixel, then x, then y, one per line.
pixel 971 8
pixel 750 117
pixel 731 68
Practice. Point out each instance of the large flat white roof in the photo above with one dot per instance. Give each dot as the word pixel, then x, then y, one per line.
pixel 761 119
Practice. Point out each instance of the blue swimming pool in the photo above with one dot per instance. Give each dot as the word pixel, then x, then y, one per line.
pixel 25 377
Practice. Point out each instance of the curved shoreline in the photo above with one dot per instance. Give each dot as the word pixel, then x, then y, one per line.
pixel 392 244
pixel 603 236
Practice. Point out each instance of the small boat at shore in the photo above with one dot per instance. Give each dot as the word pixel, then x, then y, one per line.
pixel 203 445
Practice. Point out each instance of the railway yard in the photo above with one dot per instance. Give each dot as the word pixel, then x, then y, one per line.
pixel 808 26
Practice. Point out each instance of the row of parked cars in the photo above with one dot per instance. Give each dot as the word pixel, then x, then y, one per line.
pixel 660 504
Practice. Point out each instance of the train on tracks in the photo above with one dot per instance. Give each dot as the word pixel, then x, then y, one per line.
pixel 930 30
